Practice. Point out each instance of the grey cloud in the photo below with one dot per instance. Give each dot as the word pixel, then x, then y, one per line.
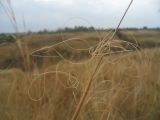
pixel 101 13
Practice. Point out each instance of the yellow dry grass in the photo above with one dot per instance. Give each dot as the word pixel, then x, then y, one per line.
pixel 126 87
pixel 111 83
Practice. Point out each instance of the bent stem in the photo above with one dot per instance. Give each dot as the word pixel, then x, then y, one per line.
pixel 87 88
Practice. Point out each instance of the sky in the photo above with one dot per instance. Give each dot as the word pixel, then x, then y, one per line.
pixel 54 14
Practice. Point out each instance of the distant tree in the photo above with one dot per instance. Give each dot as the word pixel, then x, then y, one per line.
pixel 43 31
pixel 158 28
pixel 7 38
pixel 67 29
pixel 75 29
pixel 29 32
pixel 91 28
pixel 145 28
pixel 78 29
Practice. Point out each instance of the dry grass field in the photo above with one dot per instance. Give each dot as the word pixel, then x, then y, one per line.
pixel 48 78
pixel 96 75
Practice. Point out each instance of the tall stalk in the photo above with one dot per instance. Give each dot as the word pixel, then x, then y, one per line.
pixel 88 86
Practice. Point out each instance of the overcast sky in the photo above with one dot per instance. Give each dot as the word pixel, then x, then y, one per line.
pixel 53 14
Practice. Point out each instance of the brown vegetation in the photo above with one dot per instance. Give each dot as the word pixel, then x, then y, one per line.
pixel 82 76
pixel 126 86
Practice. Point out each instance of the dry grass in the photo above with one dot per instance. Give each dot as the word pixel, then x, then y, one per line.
pixel 125 87
pixel 106 82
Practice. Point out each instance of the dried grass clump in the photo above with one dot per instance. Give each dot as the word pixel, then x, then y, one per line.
pixel 114 83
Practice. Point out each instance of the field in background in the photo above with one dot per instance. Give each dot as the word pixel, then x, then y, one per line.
pixel 125 87
pixel 144 39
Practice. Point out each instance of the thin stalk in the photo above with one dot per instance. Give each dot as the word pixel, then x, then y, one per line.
pixel 88 86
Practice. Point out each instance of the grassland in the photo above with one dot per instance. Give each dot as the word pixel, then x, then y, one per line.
pixel 124 86
pixel 78 40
